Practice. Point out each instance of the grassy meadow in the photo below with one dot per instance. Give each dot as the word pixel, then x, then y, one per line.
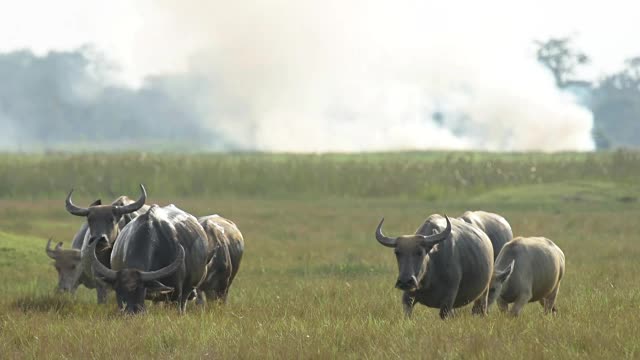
pixel 314 283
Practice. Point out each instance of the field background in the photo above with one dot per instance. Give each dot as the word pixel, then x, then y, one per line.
pixel 314 283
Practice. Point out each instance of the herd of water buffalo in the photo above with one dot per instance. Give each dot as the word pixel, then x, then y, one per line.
pixel 165 254
pixel 149 252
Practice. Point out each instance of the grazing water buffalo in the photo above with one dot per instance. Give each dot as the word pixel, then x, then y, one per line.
pixel 495 226
pixel 163 251
pixel 67 264
pixel 527 270
pixel 224 248
pixel 446 264
pixel 102 220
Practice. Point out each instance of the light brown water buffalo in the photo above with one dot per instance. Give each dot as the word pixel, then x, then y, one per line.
pixel 105 220
pixel 527 269
pixel 67 264
pixel 495 226
pixel 225 247
pixel 446 264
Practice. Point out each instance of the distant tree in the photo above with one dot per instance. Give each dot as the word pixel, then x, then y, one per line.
pixel 61 100
pixel 600 139
pixel 614 100
pixel 616 105
pixel 557 55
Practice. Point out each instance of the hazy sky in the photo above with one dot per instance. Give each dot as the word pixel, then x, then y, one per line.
pixel 351 75
pixel 133 32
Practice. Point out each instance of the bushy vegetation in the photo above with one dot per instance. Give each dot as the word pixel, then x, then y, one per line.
pixel 314 283
pixel 427 176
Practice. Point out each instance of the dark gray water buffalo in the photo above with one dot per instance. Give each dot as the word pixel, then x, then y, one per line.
pixel 105 220
pixel 224 248
pixel 446 264
pixel 527 270
pixel 163 251
pixel 495 226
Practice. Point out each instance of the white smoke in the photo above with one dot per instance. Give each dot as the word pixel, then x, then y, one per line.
pixel 354 75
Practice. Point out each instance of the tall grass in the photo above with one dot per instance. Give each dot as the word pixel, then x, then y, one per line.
pixel 314 283
pixel 425 175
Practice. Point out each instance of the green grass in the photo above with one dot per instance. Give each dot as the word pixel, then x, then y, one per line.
pixel 314 283
pixel 428 176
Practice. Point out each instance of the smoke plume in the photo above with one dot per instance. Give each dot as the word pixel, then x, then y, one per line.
pixel 294 76
pixel 357 75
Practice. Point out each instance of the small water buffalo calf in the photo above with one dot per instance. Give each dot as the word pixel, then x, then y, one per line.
pixel 527 270
pixel 446 264
pixel 495 226
pixel 225 247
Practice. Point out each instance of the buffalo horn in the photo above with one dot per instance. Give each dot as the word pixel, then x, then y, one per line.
pixel 165 271
pixel 386 241
pixel 126 209
pixel 431 240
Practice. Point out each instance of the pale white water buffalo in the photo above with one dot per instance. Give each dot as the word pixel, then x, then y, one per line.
pixel 446 264
pixel 527 270
pixel 105 220
pixel 225 247
pixel 163 251
pixel 495 226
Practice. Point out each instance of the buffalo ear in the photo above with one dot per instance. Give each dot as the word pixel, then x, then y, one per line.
pixel 96 203
pixel 127 218
pixel 503 275
pixel 155 286
pixel 111 283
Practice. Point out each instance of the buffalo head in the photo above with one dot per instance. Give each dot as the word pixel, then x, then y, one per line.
pixel 412 254
pixel 497 280
pixel 131 285
pixel 103 219
pixel 67 264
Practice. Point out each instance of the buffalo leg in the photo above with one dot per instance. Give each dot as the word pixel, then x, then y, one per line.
pixel 102 292
pixel 120 301
pixel 407 304
pixel 201 298
pixel 183 298
pixel 502 305
pixel 550 301
pixel 446 308
pixel 217 296
pixel 446 311
pixel 480 305
pixel 520 302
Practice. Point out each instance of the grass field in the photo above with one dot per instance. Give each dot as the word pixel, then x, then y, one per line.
pixel 314 283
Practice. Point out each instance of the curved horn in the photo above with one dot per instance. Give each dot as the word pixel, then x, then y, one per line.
pixel 73 209
pixel 386 241
pixel 51 253
pixel 431 240
pixel 126 209
pixel 100 269
pixel 165 271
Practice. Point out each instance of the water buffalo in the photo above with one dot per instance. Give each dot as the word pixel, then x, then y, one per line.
pixel 527 270
pixel 105 220
pixel 161 251
pixel 495 226
pixel 67 264
pixel 446 264
pixel 224 248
